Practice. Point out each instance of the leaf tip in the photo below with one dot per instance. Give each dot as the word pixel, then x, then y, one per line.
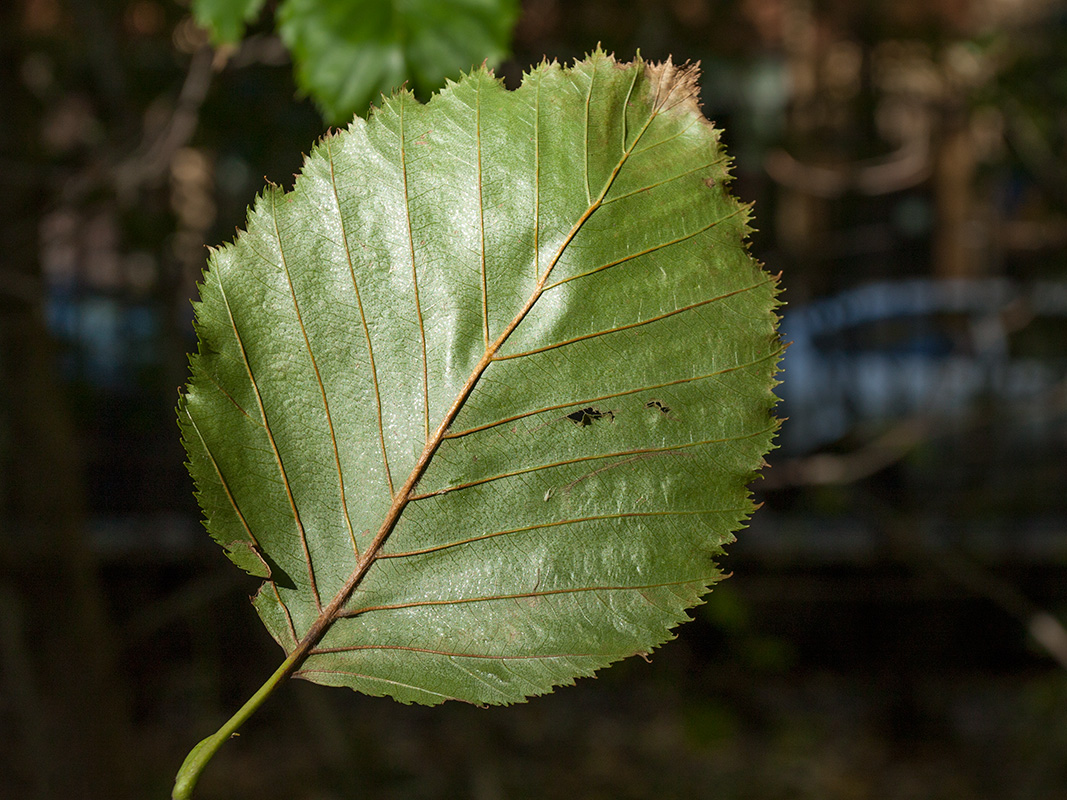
pixel 676 86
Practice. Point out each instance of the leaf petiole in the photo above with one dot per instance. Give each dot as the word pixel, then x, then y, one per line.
pixel 202 753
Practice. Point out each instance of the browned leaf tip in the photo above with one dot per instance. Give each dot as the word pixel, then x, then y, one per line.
pixel 676 86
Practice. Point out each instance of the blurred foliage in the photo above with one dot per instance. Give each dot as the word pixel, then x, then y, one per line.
pixel 1029 94
pixel 348 52
pixel 227 19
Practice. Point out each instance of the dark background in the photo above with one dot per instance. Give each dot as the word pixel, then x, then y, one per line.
pixel 890 629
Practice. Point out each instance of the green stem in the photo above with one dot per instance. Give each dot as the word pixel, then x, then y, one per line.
pixel 200 755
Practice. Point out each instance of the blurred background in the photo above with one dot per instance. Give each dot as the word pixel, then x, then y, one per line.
pixel 892 628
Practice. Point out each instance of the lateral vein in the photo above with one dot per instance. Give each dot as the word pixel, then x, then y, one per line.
pixel 270 436
pixel 630 326
pixel 363 322
pixel 322 390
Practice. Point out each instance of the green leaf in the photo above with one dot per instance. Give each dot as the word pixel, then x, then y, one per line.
pixel 479 398
pixel 226 19
pixel 349 53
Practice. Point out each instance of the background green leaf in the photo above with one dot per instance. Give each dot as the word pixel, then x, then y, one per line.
pixel 225 20
pixel 481 395
pixel 348 53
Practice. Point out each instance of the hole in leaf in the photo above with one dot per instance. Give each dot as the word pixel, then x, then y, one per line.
pixel 586 416
pixel 660 406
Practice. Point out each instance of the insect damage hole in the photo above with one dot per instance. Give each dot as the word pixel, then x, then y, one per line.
pixel 587 416
pixel 662 408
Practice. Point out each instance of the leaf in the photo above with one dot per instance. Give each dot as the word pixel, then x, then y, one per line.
pixel 479 398
pixel 226 19
pixel 347 54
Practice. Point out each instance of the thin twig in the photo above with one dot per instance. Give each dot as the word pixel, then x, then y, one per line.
pixel 154 155
pixel 1042 625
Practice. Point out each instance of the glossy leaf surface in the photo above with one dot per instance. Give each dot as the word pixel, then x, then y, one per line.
pixel 479 398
